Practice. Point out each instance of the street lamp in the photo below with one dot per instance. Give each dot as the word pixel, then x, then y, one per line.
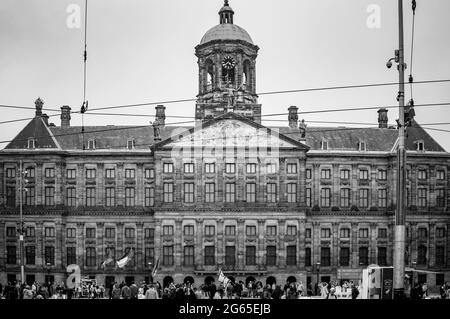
pixel 317 282
pixel 151 272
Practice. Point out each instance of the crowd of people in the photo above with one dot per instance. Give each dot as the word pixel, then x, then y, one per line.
pixel 188 291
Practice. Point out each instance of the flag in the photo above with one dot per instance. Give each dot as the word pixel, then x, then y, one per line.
pixel 223 279
pixel 108 259
pixel 155 268
pixel 122 262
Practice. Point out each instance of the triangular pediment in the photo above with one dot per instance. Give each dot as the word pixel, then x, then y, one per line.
pixel 230 130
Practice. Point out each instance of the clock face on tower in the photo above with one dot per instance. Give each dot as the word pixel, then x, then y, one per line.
pixel 228 62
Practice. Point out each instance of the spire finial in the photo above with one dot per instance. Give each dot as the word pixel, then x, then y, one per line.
pixel 226 2
pixel 226 13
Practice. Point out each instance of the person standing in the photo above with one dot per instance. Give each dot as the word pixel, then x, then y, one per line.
pixel 126 292
pixel 134 291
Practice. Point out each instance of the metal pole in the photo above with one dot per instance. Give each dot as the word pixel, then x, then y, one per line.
pixel 22 270
pixel 399 232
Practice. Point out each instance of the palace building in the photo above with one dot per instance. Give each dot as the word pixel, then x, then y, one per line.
pixel 273 204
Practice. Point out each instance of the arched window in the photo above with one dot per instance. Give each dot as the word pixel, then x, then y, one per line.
pixel 209 67
pixel 246 75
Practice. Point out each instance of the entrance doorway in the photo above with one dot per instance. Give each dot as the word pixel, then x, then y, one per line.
pixel 129 280
pixel 271 280
pixel 326 279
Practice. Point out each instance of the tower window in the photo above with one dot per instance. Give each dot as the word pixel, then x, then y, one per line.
pixel 31 143
pixel 324 145
pixel 362 146
pixel 420 145
pixel 130 144
pixel 91 144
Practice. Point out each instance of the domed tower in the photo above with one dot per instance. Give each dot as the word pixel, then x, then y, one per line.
pixel 227 71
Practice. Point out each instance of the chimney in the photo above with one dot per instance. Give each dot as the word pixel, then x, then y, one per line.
pixel 38 104
pixel 382 118
pixel 293 117
pixel 65 116
pixel 45 118
pixel 160 115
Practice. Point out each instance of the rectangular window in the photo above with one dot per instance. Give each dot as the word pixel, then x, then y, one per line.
pixel 110 173
pixel 168 230
pixel 250 255
pixel 167 255
pixel 91 258
pixel 149 255
pixel 30 193
pixel 110 196
pixel 250 230
pixel 291 255
pixel 189 168
pixel 271 255
pixel 325 256
pixel 271 193
pixel 210 255
pixel 363 198
pixel 188 259
pixel 90 173
pixel 130 233
pixel 230 168
pixel 210 192
pixel 308 233
pixel 422 197
pixel 168 168
pixel 292 168
pixel 71 255
pixel 363 174
pixel 382 175
pixel 440 232
pixel 210 168
pixel 149 197
pixel 382 256
pixel 308 197
pixel 382 197
pixel 382 232
pixel 271 168
pixel 292 192
pixel 345 174
pixel 10 196
pixel 363 256
pixel 440 175
pixel 71 196
pixel 71 232
pixel 250 192
pixel 49 253
pixel 149 173
pixel 344 233
pixel 440 197
pixel 49 172
pixel 189 230
pixel 251 168
pixel 230 230
pixel 440 255
pixel 149 233
pixel 49 196
pixel 325 174
pixel 11 232
pixel 345 197
pixel 110 232
pixel 325 233
pixel 30 255
pixel 30 172
pixel 364 233
pixel 291 230
pixel 10 173
pixel 210 230
pixel 230 255
pixel 422 255
pixel 11 255
pixel 325 197
pixel 308 257
pixel 344 256
pixel 49 232
pixel 271 230
pixel 168 192
pixel 130 173
pixel 422 174
pixel 188 192
pixel 90 196
pixel 30 232
pixel 308 173
pixel 130 197
pixel 230 192
pixel 71 173
pixel 90 232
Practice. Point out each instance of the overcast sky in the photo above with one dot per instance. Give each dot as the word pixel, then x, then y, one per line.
pixel 143 51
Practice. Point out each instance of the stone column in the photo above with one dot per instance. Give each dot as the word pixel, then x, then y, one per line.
pixel 119 249
pixel 335 246
pixel 373 244
pixel 2 240
pixel 260 248
pixel 240 249
pixel 100 185
pixel 335 186
pixel 431 247
pixel 80 245
pixel 39 188
pixel 301 245
pixel 354 262
pixel 315 197
pixel 315 243
pixel 199 260
pixel 140 259
pixel 220 242
pixel 178 245
pixel 101 248
pixel 157 245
